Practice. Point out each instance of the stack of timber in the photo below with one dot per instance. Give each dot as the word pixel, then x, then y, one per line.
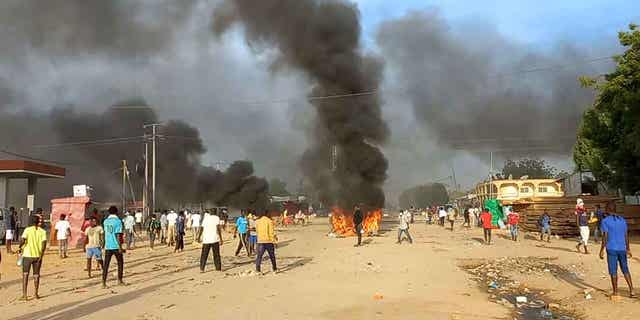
pixel 562 213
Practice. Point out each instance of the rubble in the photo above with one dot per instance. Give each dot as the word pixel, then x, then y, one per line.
pixel 526 302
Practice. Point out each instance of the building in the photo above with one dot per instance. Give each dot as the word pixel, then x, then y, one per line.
pixel 511 191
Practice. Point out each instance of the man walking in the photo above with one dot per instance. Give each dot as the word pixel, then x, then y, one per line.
pixel 164 224
pixel 486 218
pixel 513 219
pixel 403 228
pixel 451 216
pixel 582 221
pixel 129 229
pixel 153 230
pixel 94 234
pixel 211 240
pixel 253 236
pixel 242 228
pixel 597 229
pixel 172 217
pixel 196 219
pixel 113 245
pixel 180 228
pixel 615 239
pixel 63 232
pixel 545 226
pixel 138 216
pixel 266 241
pixel 11 229
pixel 357 223
pixel 34 242
pixel 467 217
pixel 442 214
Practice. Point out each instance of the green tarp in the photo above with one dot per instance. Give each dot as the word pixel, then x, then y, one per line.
pixel 495 208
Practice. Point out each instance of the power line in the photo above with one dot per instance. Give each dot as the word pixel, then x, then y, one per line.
pixel 90 142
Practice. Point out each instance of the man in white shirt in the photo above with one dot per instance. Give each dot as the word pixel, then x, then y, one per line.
pixel 441 215
pixel 171 231
pixel 138 216
pixel 405 219
pixel 63 232
pixel 129 225
pixel 211 240
pixel 195 226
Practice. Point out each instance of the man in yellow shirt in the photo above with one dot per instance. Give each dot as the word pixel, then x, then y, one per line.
pixel 32 245
pixel 266 240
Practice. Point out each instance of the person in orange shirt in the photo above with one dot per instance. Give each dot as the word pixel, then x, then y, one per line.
pixel 485 217
pixel 266 240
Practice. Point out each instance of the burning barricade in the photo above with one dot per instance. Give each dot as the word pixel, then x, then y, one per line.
pixel 342 222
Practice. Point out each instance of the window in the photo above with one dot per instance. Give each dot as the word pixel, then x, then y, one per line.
pixel 524 190
pixel 543 189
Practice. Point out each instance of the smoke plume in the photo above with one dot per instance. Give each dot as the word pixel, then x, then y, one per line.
pixel 475 90
pixel 322 39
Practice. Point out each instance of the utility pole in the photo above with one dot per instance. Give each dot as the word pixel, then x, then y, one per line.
pixel 145 187
pixel 491 175
pixel 153 162
pixel 455 182
pixel 124 185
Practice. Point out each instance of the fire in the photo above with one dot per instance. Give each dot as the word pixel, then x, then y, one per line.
pixel 342 221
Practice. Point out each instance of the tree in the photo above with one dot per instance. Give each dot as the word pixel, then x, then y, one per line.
pixel 608 141
pixel 533 168
pixel 278 187
pixel 424 196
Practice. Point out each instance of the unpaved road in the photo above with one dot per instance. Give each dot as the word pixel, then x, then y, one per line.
pixel 321 278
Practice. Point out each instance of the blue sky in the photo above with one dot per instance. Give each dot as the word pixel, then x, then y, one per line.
pixel 529 22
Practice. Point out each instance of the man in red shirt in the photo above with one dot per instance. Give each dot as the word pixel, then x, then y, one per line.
pixel 513 218
pixel 485 217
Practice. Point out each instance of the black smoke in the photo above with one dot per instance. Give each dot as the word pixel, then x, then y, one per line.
pixel 322 39
pixel 475 90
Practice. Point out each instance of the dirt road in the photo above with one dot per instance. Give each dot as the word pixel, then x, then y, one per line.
pixel 327 278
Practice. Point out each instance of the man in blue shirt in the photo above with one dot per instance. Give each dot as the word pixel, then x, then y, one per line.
pixel 545 226
pixel 112 226
pixel 615 239
pixel 242 228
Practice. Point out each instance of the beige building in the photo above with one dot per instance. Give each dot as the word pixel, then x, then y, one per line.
pixel 512 191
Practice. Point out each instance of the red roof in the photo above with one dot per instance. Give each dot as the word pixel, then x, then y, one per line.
pixel 23 168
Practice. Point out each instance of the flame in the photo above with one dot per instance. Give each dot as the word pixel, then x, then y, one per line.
pixel 342 221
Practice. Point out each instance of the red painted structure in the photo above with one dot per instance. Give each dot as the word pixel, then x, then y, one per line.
pixel 75 208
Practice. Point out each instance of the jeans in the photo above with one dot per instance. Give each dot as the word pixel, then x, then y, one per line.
pixel 204 255
pixel 179 241
pixel 62 247
pixel 131 241
pixel 406 232
pixel 514 230
pixel 271 250
pixel 107 260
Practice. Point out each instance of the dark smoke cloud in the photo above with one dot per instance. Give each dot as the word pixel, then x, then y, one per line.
pixel 322 39
pixel 65 61
pixel 468 90
pixel 120 27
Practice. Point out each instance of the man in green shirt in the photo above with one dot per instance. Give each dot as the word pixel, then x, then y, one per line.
pixel 32 246
pixel 153 230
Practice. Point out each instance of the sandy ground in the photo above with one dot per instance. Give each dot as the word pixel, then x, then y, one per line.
pixel 321 278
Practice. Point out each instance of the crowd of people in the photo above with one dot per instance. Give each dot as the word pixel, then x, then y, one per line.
pixel 606 225
pixel 106 237
pixel 109 236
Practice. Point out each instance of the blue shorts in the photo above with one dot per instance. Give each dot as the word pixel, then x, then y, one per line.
pixel 94 252
pixel 253 239
pixel 546 229
pixel 613 258
pixel 514 229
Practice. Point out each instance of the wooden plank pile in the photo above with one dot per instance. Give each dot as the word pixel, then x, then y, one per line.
pixel 562 213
